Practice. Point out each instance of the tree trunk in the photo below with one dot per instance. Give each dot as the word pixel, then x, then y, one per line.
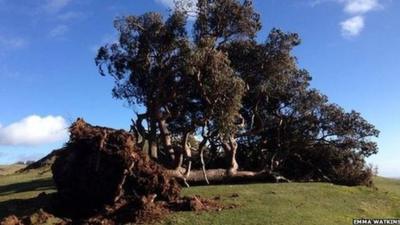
pixel 143 136
pixel 153 146
pixel 230 148
pixel 203 164
pixel 188 154
pixel 167 144
pixel 222 176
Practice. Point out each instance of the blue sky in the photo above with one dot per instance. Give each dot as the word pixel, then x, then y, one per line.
pixel 48 76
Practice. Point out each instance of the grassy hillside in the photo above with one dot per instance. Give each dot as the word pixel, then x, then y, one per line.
pixel 292 203
pixel 10 169
pixel 298 203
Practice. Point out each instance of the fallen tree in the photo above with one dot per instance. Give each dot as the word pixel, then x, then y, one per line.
pixel 222 176
pixel 252 99
pixel 103 174
pixel 102 177
pixel 110 161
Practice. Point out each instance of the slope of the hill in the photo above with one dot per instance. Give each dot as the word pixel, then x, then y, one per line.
pixel 289 203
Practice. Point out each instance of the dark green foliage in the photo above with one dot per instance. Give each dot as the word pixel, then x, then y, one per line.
pixel 292 128
pixel 247 100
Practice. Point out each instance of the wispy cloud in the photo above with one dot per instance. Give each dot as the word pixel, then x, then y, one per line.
pixel 54 6
pixel 59 31
pixel 34 130
pixel 7 74
pixel 71 15
pixel 12 42
pixel 352 26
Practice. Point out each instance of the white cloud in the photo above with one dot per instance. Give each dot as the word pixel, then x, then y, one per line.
pixel 361 6
pixel 357 9
pixel 54 6
pixel 59 31
pixel 353 6
pixel 34 130
pixel 353 26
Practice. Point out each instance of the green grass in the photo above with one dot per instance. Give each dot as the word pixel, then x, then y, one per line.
pixel 289 203
pixel 18 191
pixel 296 203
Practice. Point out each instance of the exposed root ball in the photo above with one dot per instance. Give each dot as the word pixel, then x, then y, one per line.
pixel 101 167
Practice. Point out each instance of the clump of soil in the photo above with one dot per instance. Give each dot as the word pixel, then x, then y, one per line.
pixel 39 217
pixel 102 177
pixel 11 220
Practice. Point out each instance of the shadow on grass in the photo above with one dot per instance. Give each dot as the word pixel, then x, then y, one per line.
pixel 35 185
pixel 21 207
pixel 49 202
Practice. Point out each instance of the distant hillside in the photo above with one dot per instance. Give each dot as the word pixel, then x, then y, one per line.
pixel 43 163
pixel 10 169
